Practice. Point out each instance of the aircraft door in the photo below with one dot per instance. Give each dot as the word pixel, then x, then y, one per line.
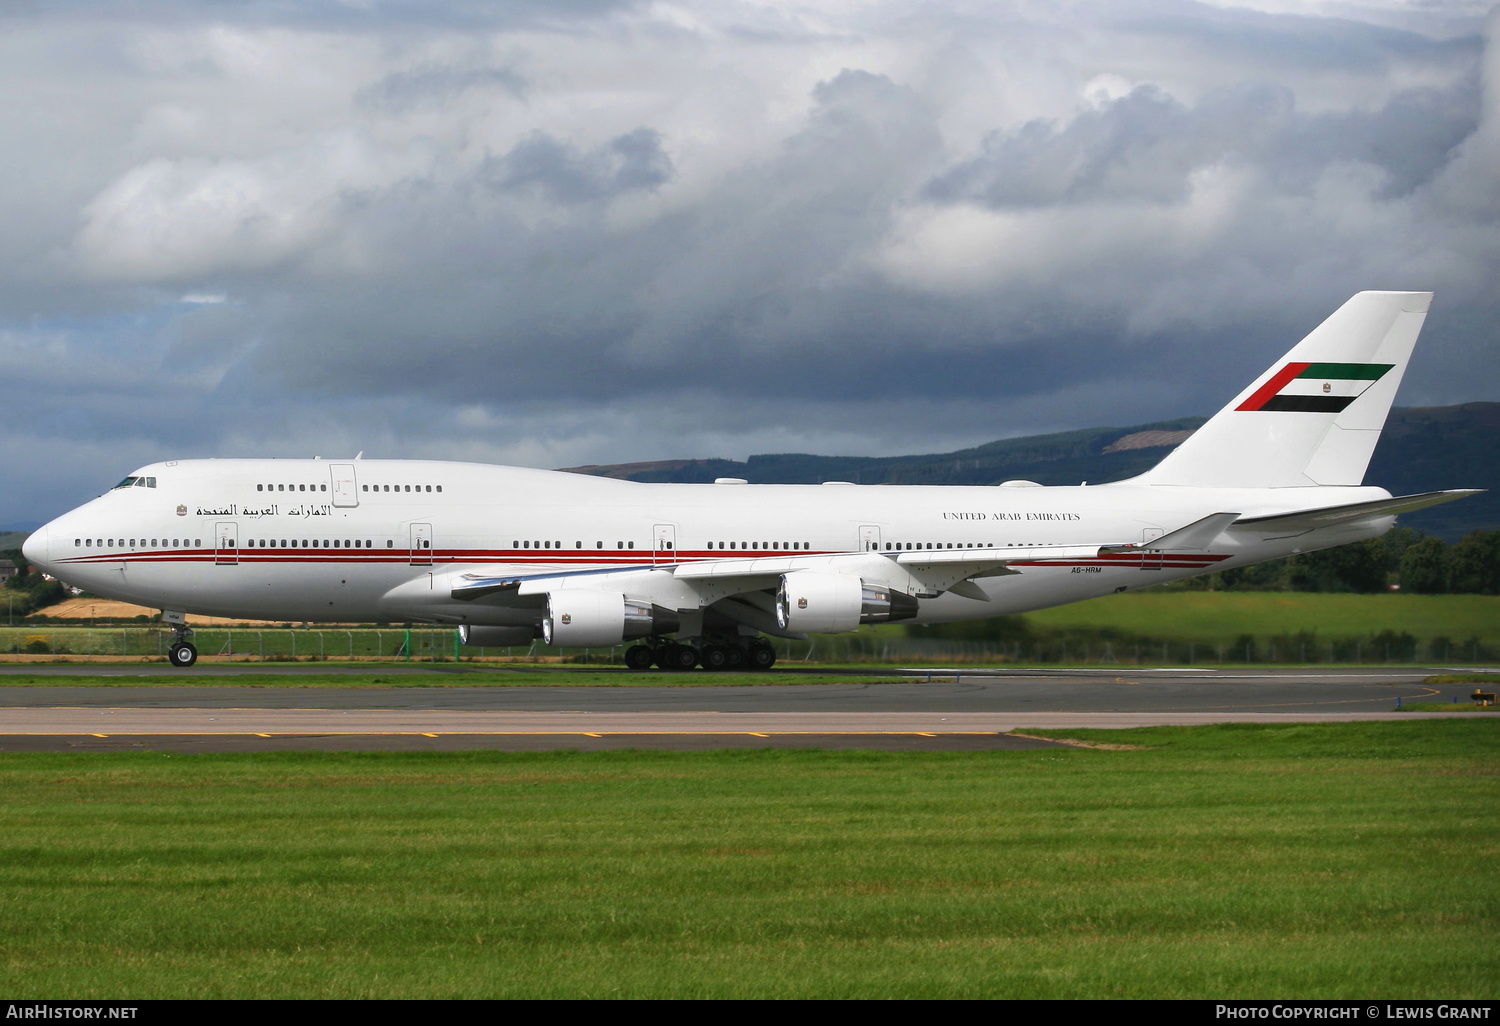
pixel 1151 558
pixel 226 547
pixel 345 484
pixel 664 547
pixel 421 544
pixel 869 538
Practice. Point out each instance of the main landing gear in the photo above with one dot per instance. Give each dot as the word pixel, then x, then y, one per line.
pixel 716 654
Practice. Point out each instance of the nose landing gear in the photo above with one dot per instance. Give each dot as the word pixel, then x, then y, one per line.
pixel 182 653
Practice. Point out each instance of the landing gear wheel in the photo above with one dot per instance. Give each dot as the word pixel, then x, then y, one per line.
pixel 639 657
pixel 679 657
pixel 183 654
pixel 762 657
pixel 735 657
pixel 715 657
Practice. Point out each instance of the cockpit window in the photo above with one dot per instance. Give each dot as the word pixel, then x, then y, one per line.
pixel 127 482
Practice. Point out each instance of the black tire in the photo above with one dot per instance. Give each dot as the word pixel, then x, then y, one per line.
pixel 762 657
pixel 715 657
pixel 679 657
pixel 182 654
pixel 639 657
pixel 735 657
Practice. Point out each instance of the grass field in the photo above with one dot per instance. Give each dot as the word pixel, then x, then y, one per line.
pixel 1154 628
pixel 1219 616
pixel 1350 861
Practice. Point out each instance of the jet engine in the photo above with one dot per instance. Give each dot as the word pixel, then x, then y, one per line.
pixel 814 602
pixel 496 636
pixel 582 619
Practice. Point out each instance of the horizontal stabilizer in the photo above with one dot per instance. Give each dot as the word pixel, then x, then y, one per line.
pixel 1283 524
pixel 1200 534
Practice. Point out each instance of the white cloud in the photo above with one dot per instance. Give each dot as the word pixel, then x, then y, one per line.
pixel 608 231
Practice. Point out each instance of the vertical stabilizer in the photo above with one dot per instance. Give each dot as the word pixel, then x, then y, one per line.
pixel 1314 416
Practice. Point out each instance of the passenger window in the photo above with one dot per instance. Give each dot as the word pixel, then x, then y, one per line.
pixel 440 488
pixel 260 488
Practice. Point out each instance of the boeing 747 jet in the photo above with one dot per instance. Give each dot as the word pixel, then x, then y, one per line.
pixel 697 574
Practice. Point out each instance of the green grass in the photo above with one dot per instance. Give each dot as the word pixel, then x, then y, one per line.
pixel 1349 861
pixel 1222 615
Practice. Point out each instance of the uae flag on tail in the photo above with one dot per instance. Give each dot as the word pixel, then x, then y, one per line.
pixel 1315 387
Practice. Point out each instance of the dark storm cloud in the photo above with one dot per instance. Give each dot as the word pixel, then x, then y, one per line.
pixel 560 234
pixel 1145 146
pixel 564 173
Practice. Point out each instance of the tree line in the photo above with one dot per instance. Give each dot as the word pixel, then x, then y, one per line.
pixel 28 590
pixel 1404 559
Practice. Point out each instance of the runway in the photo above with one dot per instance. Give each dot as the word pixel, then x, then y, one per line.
pixel 925 708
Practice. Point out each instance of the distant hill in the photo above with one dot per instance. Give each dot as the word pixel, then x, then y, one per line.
pixel 1422 449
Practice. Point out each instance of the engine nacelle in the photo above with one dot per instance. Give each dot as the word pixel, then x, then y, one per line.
pixel 814 602
pixel 496 636
pixel 587 619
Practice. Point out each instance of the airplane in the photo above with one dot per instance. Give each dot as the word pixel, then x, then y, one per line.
pixel 697 574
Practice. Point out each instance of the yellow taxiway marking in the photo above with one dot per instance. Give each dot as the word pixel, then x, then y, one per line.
pixel 429 735
pixel 587 734
pixel 754 734
pixel 99 735
pixel 923 733
pixel 262 735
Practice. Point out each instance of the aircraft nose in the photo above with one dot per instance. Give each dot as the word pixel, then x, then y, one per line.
pixel 35 548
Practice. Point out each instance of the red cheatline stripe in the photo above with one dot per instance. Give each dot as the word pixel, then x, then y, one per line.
pixel 1277 382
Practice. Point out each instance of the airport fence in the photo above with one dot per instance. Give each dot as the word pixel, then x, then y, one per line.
pixel 256 644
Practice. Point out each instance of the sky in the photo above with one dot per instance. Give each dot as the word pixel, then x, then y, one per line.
pixel 560 232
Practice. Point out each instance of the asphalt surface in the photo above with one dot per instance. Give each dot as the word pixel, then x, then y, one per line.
pixel 438 709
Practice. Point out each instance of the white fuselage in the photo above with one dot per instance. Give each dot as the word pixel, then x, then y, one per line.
pixel 382 540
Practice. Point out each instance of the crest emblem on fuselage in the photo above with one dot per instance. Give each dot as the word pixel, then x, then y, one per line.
pixel 182 511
